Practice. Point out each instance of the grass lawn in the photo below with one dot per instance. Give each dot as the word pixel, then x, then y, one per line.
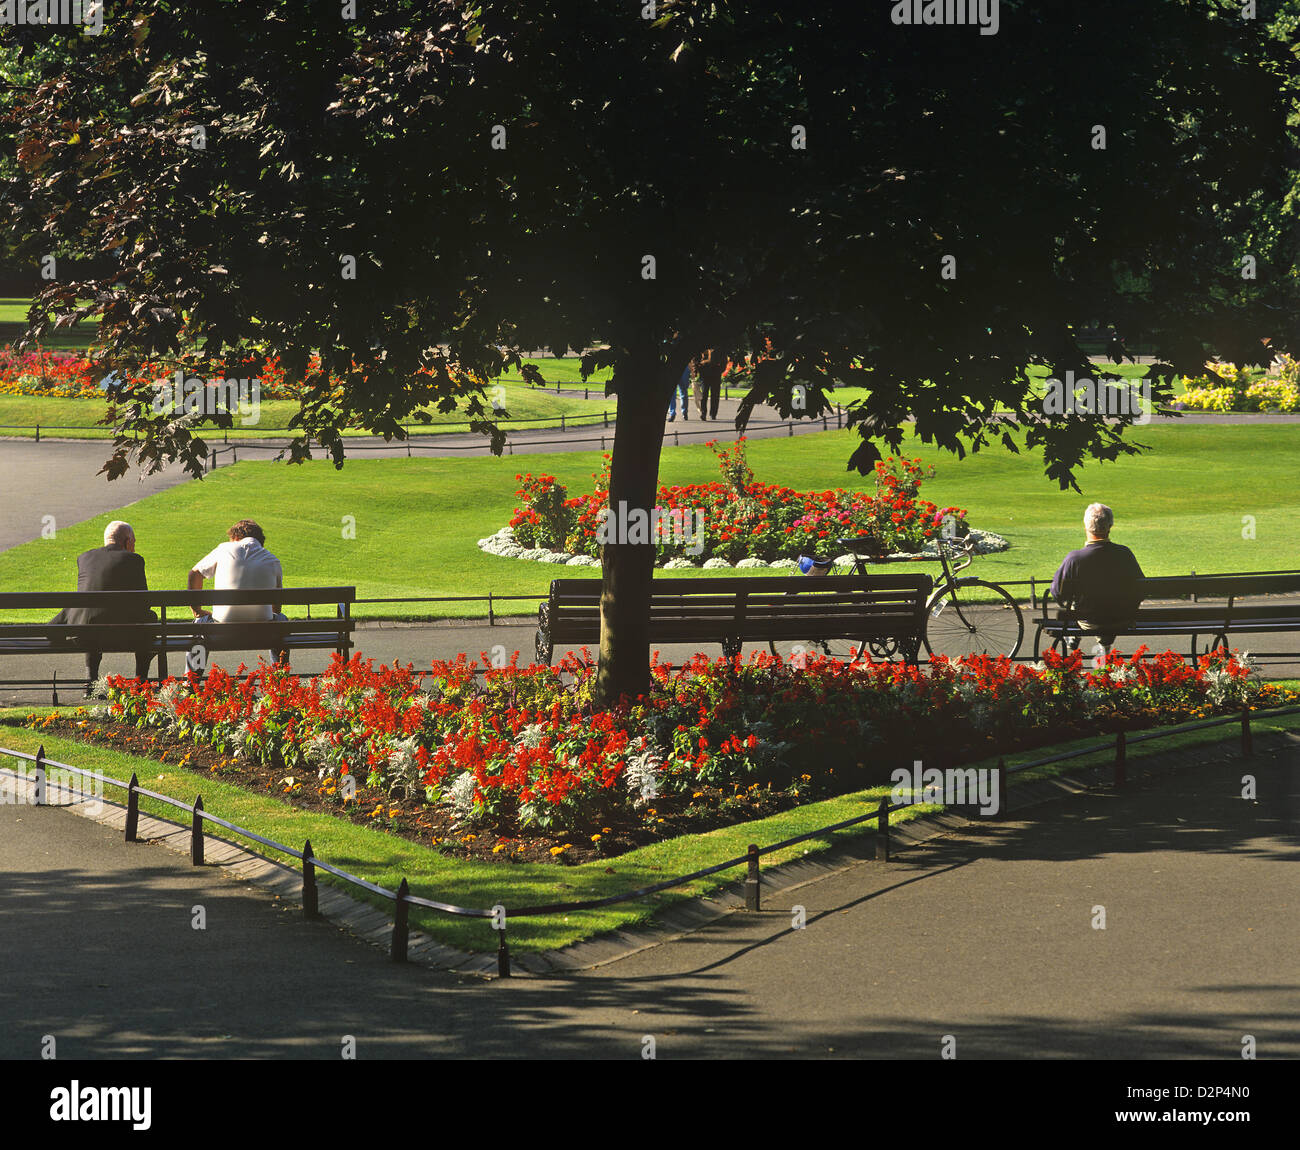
pixel 77 418
pixel 13 321
pixel 1180 507
pixel 1104 369
pixel 372 855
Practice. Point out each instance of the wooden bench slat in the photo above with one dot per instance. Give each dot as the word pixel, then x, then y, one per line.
pixel 332 630
pixel 758 608
pixel 1200 617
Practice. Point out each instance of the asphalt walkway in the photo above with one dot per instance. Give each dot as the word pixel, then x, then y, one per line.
pixel 988 935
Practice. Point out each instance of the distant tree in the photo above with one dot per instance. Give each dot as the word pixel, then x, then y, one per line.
pixel 921 210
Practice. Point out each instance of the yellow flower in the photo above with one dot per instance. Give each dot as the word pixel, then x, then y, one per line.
pixel 595 838
pixel 559 850
pixel 498 848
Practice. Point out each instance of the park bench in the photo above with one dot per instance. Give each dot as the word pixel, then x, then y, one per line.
pixel 756 609
pixel 180 633
pixel 1213 607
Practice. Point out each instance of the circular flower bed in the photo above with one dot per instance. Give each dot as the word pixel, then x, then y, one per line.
pixel 735 521
pixel 506 545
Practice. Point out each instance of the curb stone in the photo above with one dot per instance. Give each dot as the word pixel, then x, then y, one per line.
pixel 373 926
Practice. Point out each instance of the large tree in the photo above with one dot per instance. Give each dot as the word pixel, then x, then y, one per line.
pixel 926 210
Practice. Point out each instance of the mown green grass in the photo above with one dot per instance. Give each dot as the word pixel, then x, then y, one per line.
pixel 526 407
pixel 373 855
pixel 1103 369
pixel 13 321
pixel 1180 507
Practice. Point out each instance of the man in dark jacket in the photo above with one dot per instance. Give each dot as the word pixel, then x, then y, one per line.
pixel 1101 582
pixel 113 567
pixel 709 367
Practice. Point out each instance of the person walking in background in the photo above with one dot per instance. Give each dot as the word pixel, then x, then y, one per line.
pixel 1101 582
pixel 113 567
pixel 709 367
pixel 1116 349
pixel 682 391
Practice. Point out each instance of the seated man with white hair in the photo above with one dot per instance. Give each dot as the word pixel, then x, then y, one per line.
pixel 1100 583
pixel 113 567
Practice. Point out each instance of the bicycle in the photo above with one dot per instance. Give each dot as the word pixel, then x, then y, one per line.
pixel 957 623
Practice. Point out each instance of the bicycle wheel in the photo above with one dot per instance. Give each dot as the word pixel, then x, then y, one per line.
pixel 797 651
pixel 973 618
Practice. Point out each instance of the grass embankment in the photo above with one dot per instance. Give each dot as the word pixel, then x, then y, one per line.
pixel 527 408
pixel 1180 506
pixel 385 860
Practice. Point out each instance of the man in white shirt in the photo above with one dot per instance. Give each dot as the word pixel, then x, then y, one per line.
pixel 241 564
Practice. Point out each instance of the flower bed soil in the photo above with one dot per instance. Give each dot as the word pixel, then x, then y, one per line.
pixel 667 817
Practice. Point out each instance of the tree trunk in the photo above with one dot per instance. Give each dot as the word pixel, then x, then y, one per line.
pixel 628 568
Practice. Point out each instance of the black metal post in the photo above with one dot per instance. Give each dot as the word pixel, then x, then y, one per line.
pixel 752 901
pixel 503 954
pixel 39 799
pixel 196 833
pixel 1121 759
pixel 491 617
pixel 1247 744
pixel 1004 794
pixel 309 907
pixel 882 831
pixel 132 808
pixel 54 689
pixel 400 931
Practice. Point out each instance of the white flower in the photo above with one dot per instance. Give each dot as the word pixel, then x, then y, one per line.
pixel 531 736
pixel 403 768
pixel 317 750
pixel 643 772
pixel 460 796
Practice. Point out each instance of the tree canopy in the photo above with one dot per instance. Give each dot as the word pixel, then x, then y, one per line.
pixel 922 210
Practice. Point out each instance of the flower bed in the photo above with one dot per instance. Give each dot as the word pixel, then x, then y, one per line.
pixel 736 520
pixel 69 375
pixel 1227 387
pixel 519 752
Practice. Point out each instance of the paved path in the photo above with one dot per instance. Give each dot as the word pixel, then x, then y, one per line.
pixel 985 935
pixel 57 478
